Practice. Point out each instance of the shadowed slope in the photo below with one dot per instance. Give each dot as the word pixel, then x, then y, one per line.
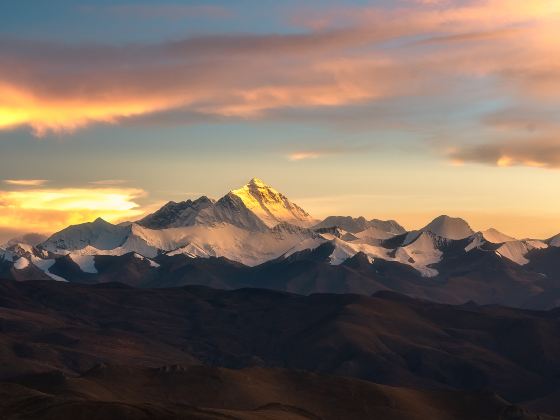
pixel 387 338
pixel 197 392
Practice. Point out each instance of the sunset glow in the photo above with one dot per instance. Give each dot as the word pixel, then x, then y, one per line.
pixel 195 193
pixel 357 97
pixel 47 210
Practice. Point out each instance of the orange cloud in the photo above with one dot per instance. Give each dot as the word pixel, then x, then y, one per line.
pixel 26 182
pixel 296 156
pixel 48 210
pixel 20 106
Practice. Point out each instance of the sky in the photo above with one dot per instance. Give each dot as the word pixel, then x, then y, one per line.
pixel 402 109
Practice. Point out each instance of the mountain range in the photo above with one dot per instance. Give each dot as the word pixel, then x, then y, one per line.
pixel 254 236
pixel 247 307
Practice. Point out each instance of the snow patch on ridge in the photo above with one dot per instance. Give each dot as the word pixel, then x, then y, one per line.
pixel 45 266
pixel 21 263
pixel 517 251
pixel 421 253
pixel 151 262
pixel 85 262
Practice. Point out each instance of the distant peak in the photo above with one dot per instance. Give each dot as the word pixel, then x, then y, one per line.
pixel 447 217
pixel 495 236
pixel 203 199
pixel 449 227
pixel 100 221
pixel 257 182
pixel 270 205
pixel 444 218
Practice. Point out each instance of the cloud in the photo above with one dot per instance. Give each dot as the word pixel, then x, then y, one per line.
pixel 297 156
pixel 300 155
pixel 47 210
pixel 349 57
pixel 542 153
pixel 28 238
pixel 325 151
pixel 26 182
pixel 525 119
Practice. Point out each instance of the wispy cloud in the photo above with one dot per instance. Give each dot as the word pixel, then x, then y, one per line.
pixel 108 182
pixel 26 182
pixel 27 238
pixel 296 156
pixel 335 150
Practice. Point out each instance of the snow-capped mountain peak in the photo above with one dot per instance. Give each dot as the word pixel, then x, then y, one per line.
pixel 271 206
pixel 449 228
pixel 496 237
pixel 99 234
pixel 258 183
pixel 255 206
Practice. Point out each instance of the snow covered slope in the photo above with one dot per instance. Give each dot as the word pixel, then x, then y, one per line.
pixel 245 245
pixel 496 237
pixel 85 262
pixel 99 234
pixel 373 235
pixel 271 206
pixel 45 265
pixel 236 244
pixel 389 226
pixel 421 254
pixel 517 251
pixel 513 249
